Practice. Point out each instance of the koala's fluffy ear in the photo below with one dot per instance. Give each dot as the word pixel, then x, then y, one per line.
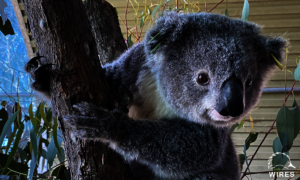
pixel 275 47
pixel 167 29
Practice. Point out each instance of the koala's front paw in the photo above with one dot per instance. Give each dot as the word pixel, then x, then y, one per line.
pixel 92 122
pixel 83 126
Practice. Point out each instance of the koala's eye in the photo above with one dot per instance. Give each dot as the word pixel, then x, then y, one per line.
pixel 249 81
pixel 202 79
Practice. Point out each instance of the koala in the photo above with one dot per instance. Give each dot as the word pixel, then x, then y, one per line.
pixel 192 77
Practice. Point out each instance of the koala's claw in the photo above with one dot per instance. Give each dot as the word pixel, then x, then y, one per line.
pixel 86 109
pixel 84 126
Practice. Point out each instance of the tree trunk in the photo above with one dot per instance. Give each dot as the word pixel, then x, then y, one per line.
pixel 63 35
pixel 106 29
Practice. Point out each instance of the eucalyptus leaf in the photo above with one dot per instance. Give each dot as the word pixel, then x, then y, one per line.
pixel 285 128
pixel 23 154
pixel 241 160
pixel 153 50
pixel 15 146
pixel 245 157
pixel 45 141
pixel 10 140
pixel 296 115
pixel 278 64
pixel 226 12
pixel 241 124
pixel 3 118
pixel 148 10
pixel 277 147
pixel 279 160
pixel 43 115
pixel 61 157
pixel 33 163
pixel 233 127
pixel 33 119
pixel 37 112
pixel 49 117
pixel 7 126
pixel 44 154
pixel 67 174
pixel 250 139
pixel 24 139
pixel 297 73
pixel 142 21
pixel 246 10
pixel 55 139
pixel 60 173
pixel 157 7
pixel 34 143
pixel 130 43
pixel 17 167
pixel 52 150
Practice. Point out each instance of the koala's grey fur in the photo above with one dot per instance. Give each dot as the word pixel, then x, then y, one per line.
pixel 177 133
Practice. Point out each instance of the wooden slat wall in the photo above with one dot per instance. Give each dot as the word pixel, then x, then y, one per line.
pixel 278 17
pixel 32 43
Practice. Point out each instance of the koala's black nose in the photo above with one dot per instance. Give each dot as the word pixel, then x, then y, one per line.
pixel 231 99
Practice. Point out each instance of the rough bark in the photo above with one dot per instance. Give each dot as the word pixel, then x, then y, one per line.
pixel 63 35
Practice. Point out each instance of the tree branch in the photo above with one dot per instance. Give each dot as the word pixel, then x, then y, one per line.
pixel 64 36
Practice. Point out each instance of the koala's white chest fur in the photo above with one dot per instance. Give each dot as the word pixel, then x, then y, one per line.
pixel 148 103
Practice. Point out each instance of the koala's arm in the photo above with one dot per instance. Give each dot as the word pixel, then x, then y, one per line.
pixel 171 147
pixel 122 73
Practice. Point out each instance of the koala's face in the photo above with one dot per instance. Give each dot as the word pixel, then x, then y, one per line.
pixel 212 71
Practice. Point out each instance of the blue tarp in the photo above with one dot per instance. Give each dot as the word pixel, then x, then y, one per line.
pixel 13 56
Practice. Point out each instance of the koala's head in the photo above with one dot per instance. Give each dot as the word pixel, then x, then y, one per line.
pixel 210 68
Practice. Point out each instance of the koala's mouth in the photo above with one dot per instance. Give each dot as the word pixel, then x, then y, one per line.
pixel 214 115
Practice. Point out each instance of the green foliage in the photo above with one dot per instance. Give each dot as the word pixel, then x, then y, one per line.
pixel 142 21
pixel 61 173
pixel 52 150
pixel 233 127
pixel 250 139
pixel 297 73
pixel 241 160
pixel 33 151
pixel 7 126
pixel 15 166
pixel 155 48
pixel 226 12
pixel 241 124
pixel 3 117
pixel 15 147
pixel 237 126
pixel 285 123
pixel 278 160
pixel 43 114
pixel 130 43
pixel 278 64
pixel 34 143
pixel 296 114
pixel 55 139
pixel 157 7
